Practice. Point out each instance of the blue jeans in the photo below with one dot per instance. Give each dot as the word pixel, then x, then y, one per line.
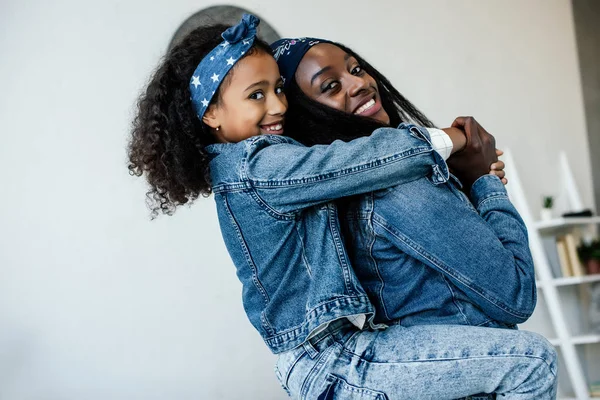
pixel 419 362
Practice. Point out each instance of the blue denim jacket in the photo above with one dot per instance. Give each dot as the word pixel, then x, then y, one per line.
pixel 282 231
pixel 425 255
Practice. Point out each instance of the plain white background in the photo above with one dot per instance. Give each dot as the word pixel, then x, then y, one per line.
pixel 96 301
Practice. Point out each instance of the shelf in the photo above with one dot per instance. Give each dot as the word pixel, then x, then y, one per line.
pixel 575 280
pixel 560 224
pixel 554 342
pixel 577 340
pixel 571 280
pixel 586 339
pixel 564 304
pixel 575 398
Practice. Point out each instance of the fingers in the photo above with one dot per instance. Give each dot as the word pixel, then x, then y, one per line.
pixel 498 165
pixel 499 152
pixel 500 174
pixel 460 122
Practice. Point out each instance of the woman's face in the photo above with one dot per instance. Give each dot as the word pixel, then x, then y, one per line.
pixel 330 76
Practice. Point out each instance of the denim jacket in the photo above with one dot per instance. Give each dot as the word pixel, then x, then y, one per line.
pixel 281 228
pixel 426 255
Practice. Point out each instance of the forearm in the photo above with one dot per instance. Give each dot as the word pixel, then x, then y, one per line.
pixel 291 177
pixel 458 138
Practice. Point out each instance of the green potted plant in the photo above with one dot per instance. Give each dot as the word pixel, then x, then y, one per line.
pixel 546 212
pixel 589 254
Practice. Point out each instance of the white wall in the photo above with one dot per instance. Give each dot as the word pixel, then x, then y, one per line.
pixel 96 302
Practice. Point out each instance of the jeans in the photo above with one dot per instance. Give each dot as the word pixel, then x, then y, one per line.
pixel 419 362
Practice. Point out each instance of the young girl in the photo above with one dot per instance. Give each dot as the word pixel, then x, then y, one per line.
pixel 206 124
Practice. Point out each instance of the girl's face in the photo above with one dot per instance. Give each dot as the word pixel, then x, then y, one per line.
pixel 252 103
pixel 330 76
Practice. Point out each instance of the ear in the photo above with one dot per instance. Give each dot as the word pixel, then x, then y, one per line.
pixel 211 117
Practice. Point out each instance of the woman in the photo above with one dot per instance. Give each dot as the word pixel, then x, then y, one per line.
pixel 417 271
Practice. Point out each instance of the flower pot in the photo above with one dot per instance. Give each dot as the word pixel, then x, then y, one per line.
pixel 593 266
pixel 546 214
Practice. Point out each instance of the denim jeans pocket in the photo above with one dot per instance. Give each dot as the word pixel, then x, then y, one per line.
pixel 338 389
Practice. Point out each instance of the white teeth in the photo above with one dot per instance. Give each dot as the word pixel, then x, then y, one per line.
pixel 365 106
pixel 277 127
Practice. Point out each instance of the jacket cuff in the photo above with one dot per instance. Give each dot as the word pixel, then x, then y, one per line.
pixel 486 187
pixel 440 172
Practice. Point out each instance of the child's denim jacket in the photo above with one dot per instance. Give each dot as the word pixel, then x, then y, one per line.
pixel 274 202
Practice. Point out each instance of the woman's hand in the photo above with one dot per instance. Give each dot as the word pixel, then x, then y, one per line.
pixel 497 168
pixel 478 155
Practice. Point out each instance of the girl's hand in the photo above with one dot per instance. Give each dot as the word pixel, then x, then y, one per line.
pixel 497 168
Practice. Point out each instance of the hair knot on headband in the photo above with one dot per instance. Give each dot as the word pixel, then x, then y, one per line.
pixel 246 27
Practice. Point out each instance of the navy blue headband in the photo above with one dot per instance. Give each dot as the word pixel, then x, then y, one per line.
pixel 289 52
pixel 214 67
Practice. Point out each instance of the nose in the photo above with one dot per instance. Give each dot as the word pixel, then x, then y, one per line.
pixel 277 104
pixel 356 85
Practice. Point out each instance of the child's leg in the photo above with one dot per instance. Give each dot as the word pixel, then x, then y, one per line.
pixel 420 362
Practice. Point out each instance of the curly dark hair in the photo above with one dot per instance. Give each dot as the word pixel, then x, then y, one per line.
pixel 310 122
pixel 168 139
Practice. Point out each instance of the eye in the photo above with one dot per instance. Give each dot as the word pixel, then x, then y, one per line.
pixel 358 70
pixel 328 86
pixel 257 95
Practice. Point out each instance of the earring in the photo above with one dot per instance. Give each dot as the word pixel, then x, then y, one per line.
pixel 217 129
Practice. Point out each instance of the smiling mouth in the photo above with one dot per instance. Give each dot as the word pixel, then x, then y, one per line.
pixel 365 107
pixel 273 128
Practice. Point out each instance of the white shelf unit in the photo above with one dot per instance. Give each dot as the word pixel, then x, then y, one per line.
pixel 557 295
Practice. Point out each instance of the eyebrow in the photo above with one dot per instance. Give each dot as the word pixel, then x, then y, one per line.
pixel 315 76
pixel 261 83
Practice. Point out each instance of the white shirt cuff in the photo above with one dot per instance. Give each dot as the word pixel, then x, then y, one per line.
pixel 440 141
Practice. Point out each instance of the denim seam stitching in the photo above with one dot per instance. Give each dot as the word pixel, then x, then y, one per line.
pixel 454 299
pixel 492 196
pixel 347 171
pixel 543 359
pixel 451 272
pixel 290 369
pixel 308 269
pixel 361 298
pixel 332 218
pixel 311 376
pixel 253 192
pixel 375 265
pixel 247 254
pixel 372 393
pixel 270 210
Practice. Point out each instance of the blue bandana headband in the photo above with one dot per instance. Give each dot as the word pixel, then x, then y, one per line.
pixel 216 65
pixel 289 52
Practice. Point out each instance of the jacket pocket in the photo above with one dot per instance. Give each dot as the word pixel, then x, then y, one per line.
pixel 338 389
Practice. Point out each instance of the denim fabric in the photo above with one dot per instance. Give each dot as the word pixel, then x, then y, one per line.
pixel 282 231
pixel 426 255
pixel 419 362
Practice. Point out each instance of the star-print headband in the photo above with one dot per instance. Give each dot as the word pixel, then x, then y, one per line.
pixel 207 77
pixel 289 52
